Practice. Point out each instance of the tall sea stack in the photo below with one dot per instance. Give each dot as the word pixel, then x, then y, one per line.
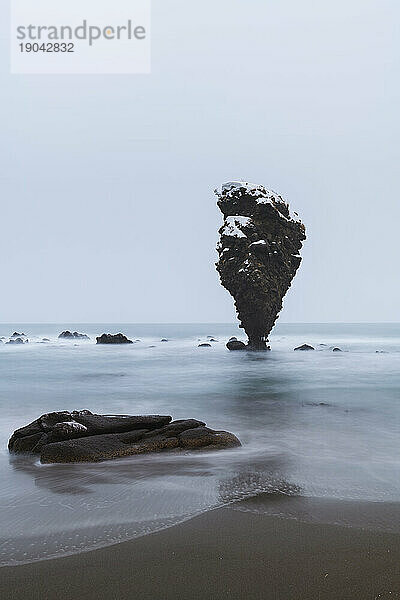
pixel 259 247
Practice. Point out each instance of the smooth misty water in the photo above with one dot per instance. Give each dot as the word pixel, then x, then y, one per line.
pixel 313 425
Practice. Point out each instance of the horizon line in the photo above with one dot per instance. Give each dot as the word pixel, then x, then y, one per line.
pixel 194 323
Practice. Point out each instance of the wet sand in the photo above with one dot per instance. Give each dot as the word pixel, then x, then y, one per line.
pixel 224 553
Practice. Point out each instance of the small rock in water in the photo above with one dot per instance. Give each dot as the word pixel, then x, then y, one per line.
pixel 304 347
pixel 109 338
pixel 212 340
pixel 16 334
pixel 164 340
pixel 17 340
pixel 204 345
pixel 337 350
pixel 236 345
pixel 81 336
pixel 45 340
pixel 232 339
pixel 75 335
pixel 81 436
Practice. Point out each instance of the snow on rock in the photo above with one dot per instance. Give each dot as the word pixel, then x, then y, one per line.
pixel 237 185
pixel 233 225
pixel 259 243
pixel 70 426
pixel 262 195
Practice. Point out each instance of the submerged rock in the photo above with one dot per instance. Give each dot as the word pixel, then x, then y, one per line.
pixel 236 345
pixel 109 338
pixel 17 340
pixel 258 252
pixel 81 436
pixel 204 345
pixel 73 335
pixel 304 347
pixel 81 336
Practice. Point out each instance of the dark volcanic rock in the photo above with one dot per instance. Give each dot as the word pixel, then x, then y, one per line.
pixel 236 345
pixel 109 338
pixel 86 423
pixel 16 334
pixel 81 436
pixel 337 350
pixel 258 252
pixel 205 345
pixel 201 437
pixel 75 335
pixel 304 347
pixel 98 424
pixel 87 449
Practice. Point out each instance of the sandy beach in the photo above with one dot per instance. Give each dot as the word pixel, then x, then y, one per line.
pixel 224 553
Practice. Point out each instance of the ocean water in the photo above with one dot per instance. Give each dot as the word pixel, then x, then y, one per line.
pixel 316 427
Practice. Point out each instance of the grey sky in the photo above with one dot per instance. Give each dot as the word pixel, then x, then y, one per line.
pixel 108 212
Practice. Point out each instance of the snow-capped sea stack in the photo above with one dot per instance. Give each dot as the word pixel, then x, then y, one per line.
pixel 259 247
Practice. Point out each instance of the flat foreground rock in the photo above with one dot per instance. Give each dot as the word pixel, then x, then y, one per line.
pixel 81 436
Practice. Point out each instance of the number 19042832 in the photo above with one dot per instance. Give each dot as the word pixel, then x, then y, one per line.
pixel 47 47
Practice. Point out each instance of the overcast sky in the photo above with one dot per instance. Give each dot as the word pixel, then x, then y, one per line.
pixel 108 212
